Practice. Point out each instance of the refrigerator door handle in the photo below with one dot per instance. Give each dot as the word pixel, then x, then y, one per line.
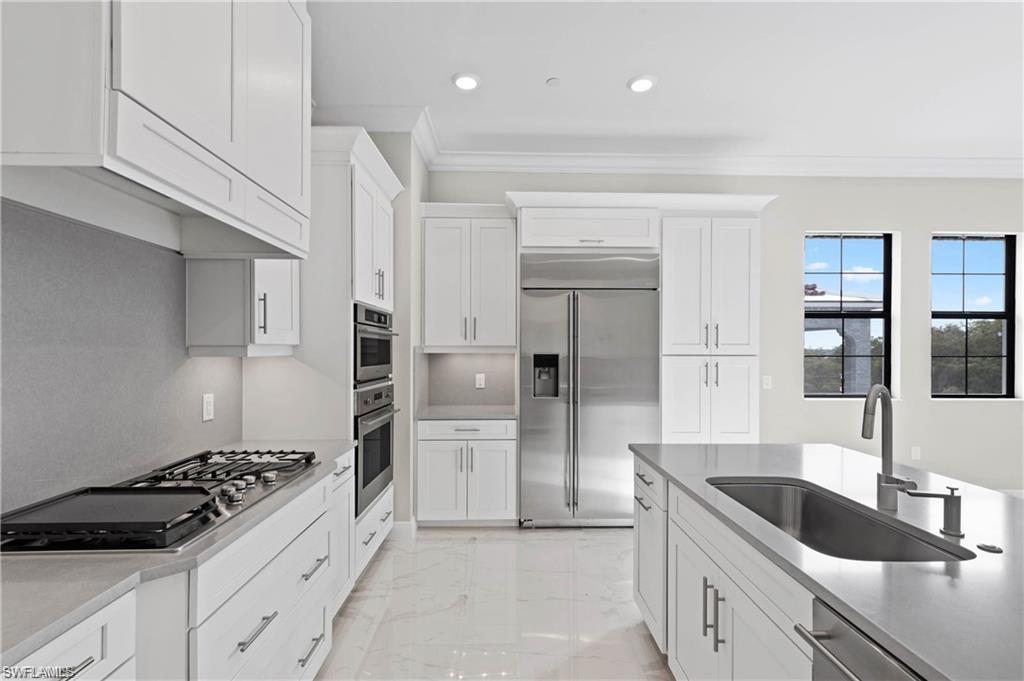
pixel 571 436
pixel 576 396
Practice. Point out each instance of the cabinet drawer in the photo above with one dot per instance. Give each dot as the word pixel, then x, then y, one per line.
pixel 274 217
pixel 304 643
pixel 373 527
pixel 215 580
pixel 590 227
pixel 651 482
pixel 467 430
pixel 255 615
pixel 344 468
pixel 95 646
pixel 169 159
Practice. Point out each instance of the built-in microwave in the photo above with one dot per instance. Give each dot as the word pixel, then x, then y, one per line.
pixel 373 341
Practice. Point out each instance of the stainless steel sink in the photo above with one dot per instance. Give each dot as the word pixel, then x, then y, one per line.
pixel 835 525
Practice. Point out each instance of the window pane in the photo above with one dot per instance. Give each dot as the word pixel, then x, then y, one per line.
pixel 863 254
pixel 823 375
pixel 821 291
pixel 985 255
pixel 985 376
pixel 947 292
pixel 823 336
pixel 986 337
pixel 862 292
pixel 948 337
pixel 947 254
pixel 984 292
pixel 860 373
pixel 821 254
pixel 949 375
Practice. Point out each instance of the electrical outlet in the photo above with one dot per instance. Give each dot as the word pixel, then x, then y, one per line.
pixel 766 382
pixel 481 380
pixel 207 407
pixel 915 453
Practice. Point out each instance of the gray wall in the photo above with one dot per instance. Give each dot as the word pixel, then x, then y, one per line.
pixel 97 385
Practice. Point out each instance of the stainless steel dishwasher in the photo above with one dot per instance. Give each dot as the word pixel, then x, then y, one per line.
pixel 843 653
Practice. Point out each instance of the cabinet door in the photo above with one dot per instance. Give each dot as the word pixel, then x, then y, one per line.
pixel 590 227
pixel 735 282
pixel 650 539
pixel 383 251
pixel 278 103
pixel 493 293
pixel 441 480
pixel 342 539
pixel 365 278
pixel 755 649
pixel 446 272
pixel 276 299
pixel 184 62
pixel 691 579
pixel 685 399
pixel 734 399
pixel 686 286
pixel 492 480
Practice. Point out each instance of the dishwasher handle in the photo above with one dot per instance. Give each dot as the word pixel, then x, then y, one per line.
pixel 814 639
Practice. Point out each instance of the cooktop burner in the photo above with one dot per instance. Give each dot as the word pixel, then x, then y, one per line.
pixel 163 510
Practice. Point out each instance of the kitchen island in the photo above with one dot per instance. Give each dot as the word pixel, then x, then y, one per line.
pixel 956 619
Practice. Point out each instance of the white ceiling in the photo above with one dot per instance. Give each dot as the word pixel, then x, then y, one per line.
pixel 841 88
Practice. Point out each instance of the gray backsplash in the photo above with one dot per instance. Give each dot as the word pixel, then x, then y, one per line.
pixel 97 385
pixel 451 378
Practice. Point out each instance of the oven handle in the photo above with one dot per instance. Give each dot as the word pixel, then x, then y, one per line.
pixel 370 331
pixel 370 425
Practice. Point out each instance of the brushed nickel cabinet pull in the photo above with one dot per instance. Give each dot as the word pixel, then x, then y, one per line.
pixel 79 668
pixel 642 504
pixel 306 576
pixel 707 586
pixel 263 301
pixel 717 640
pixel 264 623
pixel 370 538
pixel 303 661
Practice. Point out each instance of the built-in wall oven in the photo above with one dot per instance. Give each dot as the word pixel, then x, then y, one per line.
pixel 375 436
pixel 373 339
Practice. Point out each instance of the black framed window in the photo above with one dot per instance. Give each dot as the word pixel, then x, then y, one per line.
pixel 847 313
pixel 972 316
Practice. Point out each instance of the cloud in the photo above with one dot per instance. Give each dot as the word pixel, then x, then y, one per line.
pixel 983 300
pixel 817 266
pixel 861 274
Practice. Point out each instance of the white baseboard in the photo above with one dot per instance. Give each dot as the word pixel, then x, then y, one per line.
pixel 405 529
pixel 468 523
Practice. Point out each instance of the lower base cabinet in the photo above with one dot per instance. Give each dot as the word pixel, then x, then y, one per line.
pixel 342 529
pixel 373 527
pixel 649 564
pixel 715 630
pixel 466 480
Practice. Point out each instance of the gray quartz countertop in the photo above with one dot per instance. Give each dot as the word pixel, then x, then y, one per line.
pixel 45 595
pixel 955 620
pixel 501 412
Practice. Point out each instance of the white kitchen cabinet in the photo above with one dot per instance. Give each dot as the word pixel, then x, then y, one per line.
pixel 342 526
pixel 242 308
pixel 709 399
pixel 384 249
pixel 469 282
pixel 373 237
pixel 735 286
pixel 278 103
pixel 649 563
pixel 373 527
pixel 691 581
pixel 441 475
pixel 710 284
pixel 206 104
pixel 589 227
pixel 491 482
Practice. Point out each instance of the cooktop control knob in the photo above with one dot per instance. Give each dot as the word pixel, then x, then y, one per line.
pixel 269 478
pixel 227 489
pixel 235 498
pixel 239 484
pixel 250 480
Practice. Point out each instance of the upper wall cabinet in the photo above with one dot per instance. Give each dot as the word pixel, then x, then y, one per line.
pixel 589 227
pixel 371 188
pixel 206 104
pixel 710 297
pixel 469 282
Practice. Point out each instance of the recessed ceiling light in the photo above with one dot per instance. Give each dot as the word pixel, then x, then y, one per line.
pixel 466 81
pixel 640 83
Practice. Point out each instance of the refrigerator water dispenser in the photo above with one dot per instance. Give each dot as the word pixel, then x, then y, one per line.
pixel 545 375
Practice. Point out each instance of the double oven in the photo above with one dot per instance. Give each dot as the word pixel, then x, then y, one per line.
pixel 373 400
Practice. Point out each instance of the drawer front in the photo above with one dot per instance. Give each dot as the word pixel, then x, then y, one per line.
pixel 373 527
pixel 467 430
pixel 95 647
pixel 299 650
pixel 270 215
pixel 590 227
pixel 145 142
pixel 126 672
pixel 253 618
pixel 225 573
pixel 652 482
pixel 344 469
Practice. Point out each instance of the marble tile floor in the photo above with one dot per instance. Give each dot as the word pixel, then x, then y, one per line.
pixel 496 603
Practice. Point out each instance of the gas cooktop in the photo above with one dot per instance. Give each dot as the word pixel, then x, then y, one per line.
pixel 164 510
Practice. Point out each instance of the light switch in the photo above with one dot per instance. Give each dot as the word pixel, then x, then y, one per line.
pixel 481 380
pixel 766 382
pixel 915 453
pixel 207 406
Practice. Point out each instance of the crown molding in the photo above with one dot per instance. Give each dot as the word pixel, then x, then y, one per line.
pixel 666 203
pixel 425 137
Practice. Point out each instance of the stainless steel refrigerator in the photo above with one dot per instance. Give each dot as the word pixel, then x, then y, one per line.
pixel 589 335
